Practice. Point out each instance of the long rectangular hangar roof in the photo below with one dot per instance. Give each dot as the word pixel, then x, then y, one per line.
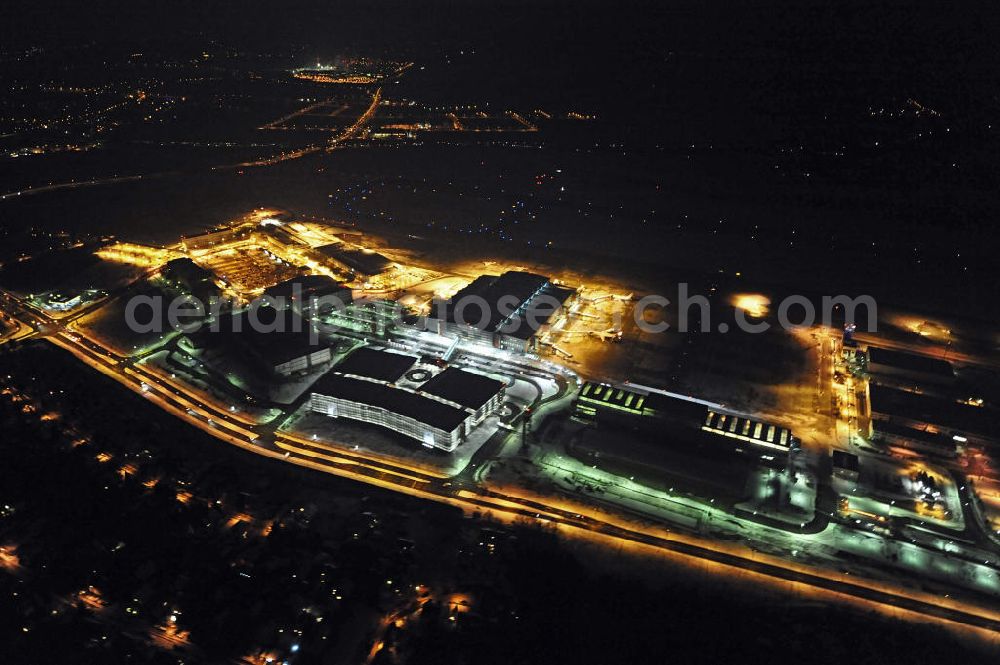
pixel 946 414
pixel 602 394
pixel 887 427
pixel 910 362
pixel 307 286
pixel 397 400
pixel 365 263
pixel 748 429
pixel 465 388
pixel 374 364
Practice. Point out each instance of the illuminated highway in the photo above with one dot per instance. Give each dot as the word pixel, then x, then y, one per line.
pixel 74 184
pixel 347 133
pixel 580 521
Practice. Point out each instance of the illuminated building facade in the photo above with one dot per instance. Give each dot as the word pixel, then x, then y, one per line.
pixel 440 414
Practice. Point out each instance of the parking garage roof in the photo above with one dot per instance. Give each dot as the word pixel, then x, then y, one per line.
pixel 465 388
pixel 376 364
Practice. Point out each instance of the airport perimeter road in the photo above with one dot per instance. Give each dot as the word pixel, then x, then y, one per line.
pixel 235 429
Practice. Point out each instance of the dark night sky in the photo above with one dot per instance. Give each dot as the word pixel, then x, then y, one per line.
pixel 593 51
pixel 568 42
pixel 790 83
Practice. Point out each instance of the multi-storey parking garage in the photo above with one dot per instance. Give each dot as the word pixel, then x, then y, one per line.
pixel 436 424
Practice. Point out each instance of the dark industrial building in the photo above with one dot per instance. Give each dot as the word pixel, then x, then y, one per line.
pixel 188 276
pixel 846 466
pixel 922 438
pixel 209 240
pixel 887 365
pixel 927 413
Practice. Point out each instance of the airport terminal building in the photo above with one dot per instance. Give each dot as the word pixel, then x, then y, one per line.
pixel 440 413
pixel 508 311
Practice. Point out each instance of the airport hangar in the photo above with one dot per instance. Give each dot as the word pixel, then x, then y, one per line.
pixel 439 413
pixel 508 311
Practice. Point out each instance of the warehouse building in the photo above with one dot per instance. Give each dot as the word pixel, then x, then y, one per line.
pixel 187 275
pixel 922 438
pixel 211 240
pixel 366 264
pixel 900 367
